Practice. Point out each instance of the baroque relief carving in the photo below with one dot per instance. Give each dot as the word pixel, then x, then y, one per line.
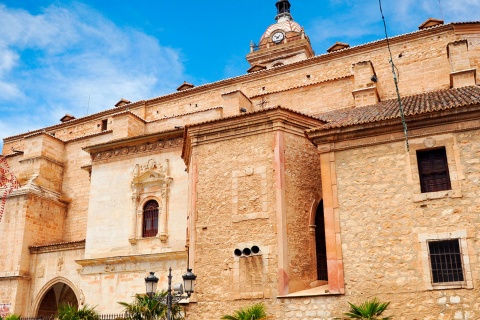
pixel 146 147
pixel 151 180
pixel 41 272
pixel 429 142
pixel 60 264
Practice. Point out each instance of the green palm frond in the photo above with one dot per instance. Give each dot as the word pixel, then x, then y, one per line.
pixel 70 312
pixel 254 312
pixel 147 308
pixel 369 310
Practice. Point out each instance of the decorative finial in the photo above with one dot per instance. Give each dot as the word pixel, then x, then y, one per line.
pixel 283 11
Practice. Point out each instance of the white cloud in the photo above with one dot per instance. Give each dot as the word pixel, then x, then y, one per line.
pixel 52 62
pixel 465 10
pixel 354 20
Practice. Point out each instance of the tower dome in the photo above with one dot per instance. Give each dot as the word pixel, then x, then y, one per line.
pixel 284 24
pixel 283 42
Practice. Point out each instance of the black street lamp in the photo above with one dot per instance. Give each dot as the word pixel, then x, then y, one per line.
pixel 188 283
pixel 151 283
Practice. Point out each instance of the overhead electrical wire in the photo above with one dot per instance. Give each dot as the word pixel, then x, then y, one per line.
pixel 441 10
pixel 395 79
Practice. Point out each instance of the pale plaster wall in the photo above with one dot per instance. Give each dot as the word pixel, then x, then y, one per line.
pixel 111 209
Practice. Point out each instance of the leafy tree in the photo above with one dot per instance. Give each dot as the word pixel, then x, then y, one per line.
pixel 369 310
pixel 146 308
pixel 67 311
pixel 254 312
pixel 11 317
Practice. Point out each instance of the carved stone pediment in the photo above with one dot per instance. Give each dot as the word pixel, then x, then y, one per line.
pixel 151 173
pixel 150 177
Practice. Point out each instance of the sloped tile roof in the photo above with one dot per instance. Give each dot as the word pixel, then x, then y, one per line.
pixel 412 105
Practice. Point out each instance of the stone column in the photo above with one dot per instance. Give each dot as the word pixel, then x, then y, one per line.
pixel 281 214
pixel 333 241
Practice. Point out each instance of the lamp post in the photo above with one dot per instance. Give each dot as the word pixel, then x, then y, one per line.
pixel 151 283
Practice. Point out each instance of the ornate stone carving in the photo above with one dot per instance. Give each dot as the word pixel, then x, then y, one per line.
pixel 109 268
pixel 146 147
pixel 151 180
pixel 82 298
pixel 429 142
pixel 60 264
pixel 41 272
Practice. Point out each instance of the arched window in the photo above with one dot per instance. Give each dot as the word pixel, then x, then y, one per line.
pixel 150 219
pixel 321 248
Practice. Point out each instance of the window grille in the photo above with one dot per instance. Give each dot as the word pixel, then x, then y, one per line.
pixel 433 170
pixel 446 261
pixel 150 219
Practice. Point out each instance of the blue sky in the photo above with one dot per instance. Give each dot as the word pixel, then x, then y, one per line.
pixel 81 57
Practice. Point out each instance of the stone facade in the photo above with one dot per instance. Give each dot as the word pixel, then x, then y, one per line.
pixel 242 168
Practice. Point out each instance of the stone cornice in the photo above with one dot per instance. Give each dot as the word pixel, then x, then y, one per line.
pixel 32 189
pixel 133 258
pixel 253 123
pixel 6 277
pixel 387 131
pixel 55 247
pixel 136 145
pixel 42 158
pixel 279 52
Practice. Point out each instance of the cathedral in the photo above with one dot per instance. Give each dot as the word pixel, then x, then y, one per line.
pixel 311 181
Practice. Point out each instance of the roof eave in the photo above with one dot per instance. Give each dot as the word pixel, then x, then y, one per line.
pixel 319 136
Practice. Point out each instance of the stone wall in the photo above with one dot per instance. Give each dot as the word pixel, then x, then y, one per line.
pixel 76 187
pixel 382 224
pixel 243 170
pixel 303 191
pixel 102 283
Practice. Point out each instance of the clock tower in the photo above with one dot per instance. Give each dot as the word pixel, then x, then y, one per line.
pixel 282 43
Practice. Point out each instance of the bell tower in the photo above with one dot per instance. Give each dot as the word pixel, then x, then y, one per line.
pixel 283 42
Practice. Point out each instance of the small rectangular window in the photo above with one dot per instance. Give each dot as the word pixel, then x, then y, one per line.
pixel 433 170
pixel 446 261
pixel 104 124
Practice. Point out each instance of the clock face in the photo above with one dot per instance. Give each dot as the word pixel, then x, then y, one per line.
pixel 278 37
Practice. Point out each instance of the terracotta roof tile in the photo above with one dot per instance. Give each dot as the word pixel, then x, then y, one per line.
pixel 412 105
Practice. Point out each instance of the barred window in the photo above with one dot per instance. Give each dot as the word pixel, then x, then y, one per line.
pixel 150 219
pixel 446 261
pixel 433 170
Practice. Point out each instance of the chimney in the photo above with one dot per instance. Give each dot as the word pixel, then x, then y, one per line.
pixel 122 103
pixel 338 46
pixel 67 117
pixel 185 85
pixel 430 22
